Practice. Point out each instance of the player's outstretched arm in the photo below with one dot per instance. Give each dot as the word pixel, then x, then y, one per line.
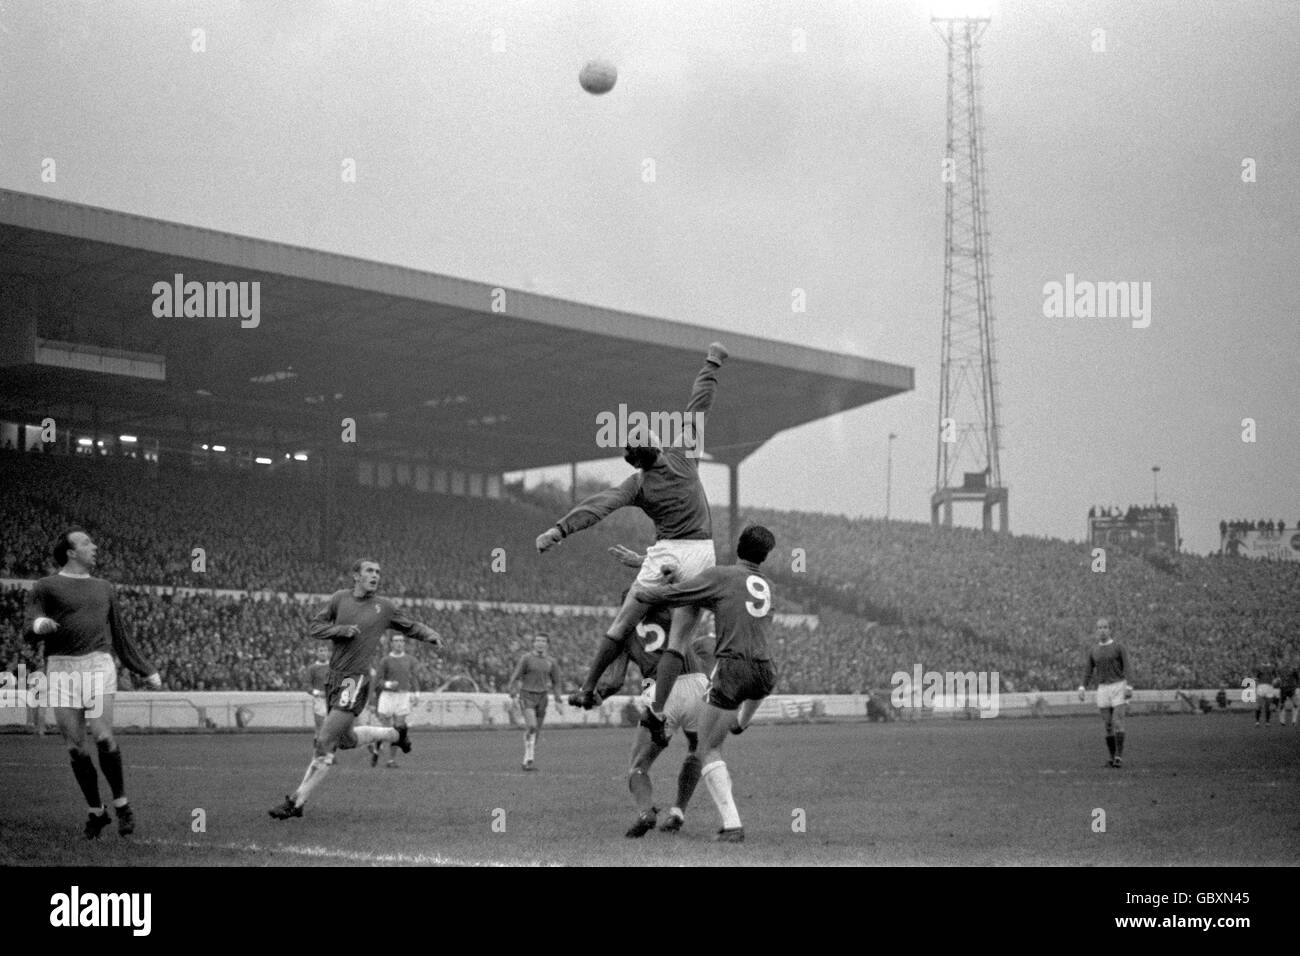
pixel 702 392
pixel 701 589
pixel 589 511
pixel 400 620
pixel 423 632
pixel 626 556
pixel 125 648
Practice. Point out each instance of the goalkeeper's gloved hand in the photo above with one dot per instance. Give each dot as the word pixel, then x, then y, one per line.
pixel 717 354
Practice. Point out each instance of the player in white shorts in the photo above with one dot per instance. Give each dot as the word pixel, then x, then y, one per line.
pixel 666 486
pixel 395 676
pixel 76 619
pixel 681 712
pixel 1108 661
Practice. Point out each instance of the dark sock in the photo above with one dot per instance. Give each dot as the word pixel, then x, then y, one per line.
pixel 110 764
pixel 687 779
pixel 1119 745
pixel 83 768
pixel 670 665
pixel 1110 744
pixel 606 653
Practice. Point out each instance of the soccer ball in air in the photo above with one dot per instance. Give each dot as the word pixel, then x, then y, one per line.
pixel 598 77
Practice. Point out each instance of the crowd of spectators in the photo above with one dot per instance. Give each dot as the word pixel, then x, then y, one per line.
pixel 262 531
pixel 1265 524
pixel 1133 513
pixel 1025 606
pixel 202 641
pixel 889 595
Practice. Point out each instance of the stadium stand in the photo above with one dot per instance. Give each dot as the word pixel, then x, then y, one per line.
pixel 889 595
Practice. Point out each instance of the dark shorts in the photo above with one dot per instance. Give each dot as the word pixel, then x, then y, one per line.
pixel 534 701
pixel 737 679
pixel 347 692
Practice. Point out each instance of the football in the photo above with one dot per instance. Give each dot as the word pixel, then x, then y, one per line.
pixel 598 77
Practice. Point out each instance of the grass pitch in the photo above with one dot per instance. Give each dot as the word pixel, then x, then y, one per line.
pixel 1196 790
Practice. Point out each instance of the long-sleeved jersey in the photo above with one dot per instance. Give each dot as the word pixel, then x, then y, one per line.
pixel 670 491
pixel 1108 661
pixel 536 674
pixel 740 597
pixel 86 612
pixel 372 615
pixel 400 670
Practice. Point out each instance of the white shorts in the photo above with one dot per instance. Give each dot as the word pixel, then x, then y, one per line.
pixel 691 558
pixel 394 704
pixel 685 702
pixel 1111 695
pixel 319 707
pixel 80 682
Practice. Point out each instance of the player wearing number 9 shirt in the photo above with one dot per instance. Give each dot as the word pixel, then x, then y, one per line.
pixel 740 596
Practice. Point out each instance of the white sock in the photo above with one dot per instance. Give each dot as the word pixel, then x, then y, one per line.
pixel 718 781
pixel 529 746
pixel 316 771
pixel 372 735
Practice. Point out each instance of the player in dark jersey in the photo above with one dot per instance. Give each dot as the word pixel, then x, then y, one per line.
pixel 75 617
pixel 354 620
pixel 740 596
pixel 645 647
pixel 535 673
pixel 1109 661
pixel 683 711
pixel 667 487
pixel 397 683
pixel 316 678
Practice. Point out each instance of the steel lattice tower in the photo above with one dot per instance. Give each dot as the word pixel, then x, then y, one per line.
pixel 967 466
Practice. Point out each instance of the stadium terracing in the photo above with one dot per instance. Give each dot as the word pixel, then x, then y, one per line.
pixel 451 383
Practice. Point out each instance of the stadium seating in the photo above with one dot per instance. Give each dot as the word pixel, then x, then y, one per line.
pixel 889 595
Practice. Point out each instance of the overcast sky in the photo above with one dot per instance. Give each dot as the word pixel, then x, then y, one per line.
pixel 774 170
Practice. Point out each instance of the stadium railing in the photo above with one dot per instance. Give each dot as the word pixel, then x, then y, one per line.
pixel 215 711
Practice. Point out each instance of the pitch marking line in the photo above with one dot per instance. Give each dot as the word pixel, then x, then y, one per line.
pixel 354 856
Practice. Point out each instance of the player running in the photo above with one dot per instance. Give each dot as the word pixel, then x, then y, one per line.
pixel 76 617
pixel 740 596
pixel 397 683
pixel 667 487
pixel 1108 660
pixel 533 675
pixel 354 621
pixel 318 674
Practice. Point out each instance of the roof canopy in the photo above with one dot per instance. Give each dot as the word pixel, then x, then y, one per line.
pixel 426 364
